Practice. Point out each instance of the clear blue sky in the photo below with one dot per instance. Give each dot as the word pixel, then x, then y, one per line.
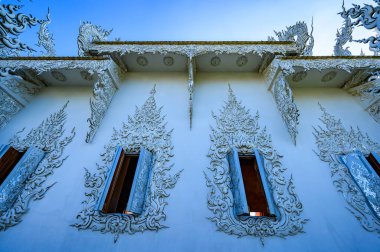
pixel 189 19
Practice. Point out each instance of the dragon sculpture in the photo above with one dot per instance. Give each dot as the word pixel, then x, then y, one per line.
pixel 89 33
pixel 298 33
pixel 45 39
pixel 343 36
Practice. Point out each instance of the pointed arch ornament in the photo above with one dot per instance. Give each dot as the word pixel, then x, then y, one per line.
pixel 50 137
pixel 236 127
pixel 146 128
pixel 335 140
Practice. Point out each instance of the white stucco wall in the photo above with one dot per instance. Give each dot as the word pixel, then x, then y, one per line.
pixel 46 227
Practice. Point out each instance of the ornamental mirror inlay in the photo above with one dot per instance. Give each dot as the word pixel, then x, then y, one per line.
pixel 236 127
pixel 147 129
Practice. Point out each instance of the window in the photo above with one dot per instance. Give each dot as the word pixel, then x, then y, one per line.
pixel 251 191
pixel 365 172
pixel 15 168
pixel 127 183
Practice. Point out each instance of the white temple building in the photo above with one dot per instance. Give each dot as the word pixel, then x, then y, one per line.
pixel 190 146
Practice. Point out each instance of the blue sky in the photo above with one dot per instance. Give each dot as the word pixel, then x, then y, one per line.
pixel 190 20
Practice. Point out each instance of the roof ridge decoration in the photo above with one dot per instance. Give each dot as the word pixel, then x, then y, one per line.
pixel 45 39
pixel 333 140
pixel 89 33
pixel 368 17
pixel 343 36
pixel 146 128
pixel 14 24
pixel 50 137
pixel 298 33
pixel 236 127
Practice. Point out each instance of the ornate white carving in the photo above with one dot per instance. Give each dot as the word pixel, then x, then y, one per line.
pixel 45 39
pixel 235 127
pixel 366 16
pixel 108 73
pixel 191 88
pixel 369 93
pixel 58 75
pixel 168 61
pixel 12 25
pixel 147 129
pixel 9 107
pixel 335 140
pixel 22 88
pixel 328 76
pixel 283 96
pixel 195 49
pixel 89 33
pixel 48 136
pixel 104 90
pixel 288 65
pixel 298 33
pixel 343 36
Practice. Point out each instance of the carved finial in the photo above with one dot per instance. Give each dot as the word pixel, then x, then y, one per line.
pixel 44 38
pixel 153 91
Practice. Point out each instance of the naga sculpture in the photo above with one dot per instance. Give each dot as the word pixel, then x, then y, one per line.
pixel 298 33
pixel 45 39
pixel 89 33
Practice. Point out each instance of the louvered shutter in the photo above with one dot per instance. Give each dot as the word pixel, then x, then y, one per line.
pixel 268 194
pixel 137 197
pixel 100 203
pixel 365 177
pixel 240 199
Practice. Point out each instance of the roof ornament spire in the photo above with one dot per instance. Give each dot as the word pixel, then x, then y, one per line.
pixel 343 35
pixel 45 39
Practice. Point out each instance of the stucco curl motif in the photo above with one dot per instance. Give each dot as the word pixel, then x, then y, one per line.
pixel 235 127
pixel 335 140
pixel 50 137
pixel 89 33
pixel 147 129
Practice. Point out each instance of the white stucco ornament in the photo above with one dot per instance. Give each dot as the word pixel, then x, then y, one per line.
pixel 146 128
pixel 236 127
pixel 50 137
pixel 334 140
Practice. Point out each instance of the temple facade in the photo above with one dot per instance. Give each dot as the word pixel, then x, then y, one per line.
pixel 190 146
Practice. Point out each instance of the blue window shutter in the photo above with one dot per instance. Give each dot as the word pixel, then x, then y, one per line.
pixel 111 171
pixel 240 199
pixel 268 194
pixel 137 196
pixel 3 149
pixel 365 178
pixel 12 186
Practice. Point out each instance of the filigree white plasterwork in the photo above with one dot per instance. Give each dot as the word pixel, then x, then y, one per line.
pixel 347 64
pixel 298 33
pixel 336 140
pixel 45 39
pixel 44 65
pixel 104 90
pixel 50 137
pixel 191 88
pixel 147 128
pixel 235 127
pixel 194 50
pixel 9 107
pixel 11 27
pixel 24 89
pixel 283 96
pixel 343 36
pixel 367 17
pixel 89 33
